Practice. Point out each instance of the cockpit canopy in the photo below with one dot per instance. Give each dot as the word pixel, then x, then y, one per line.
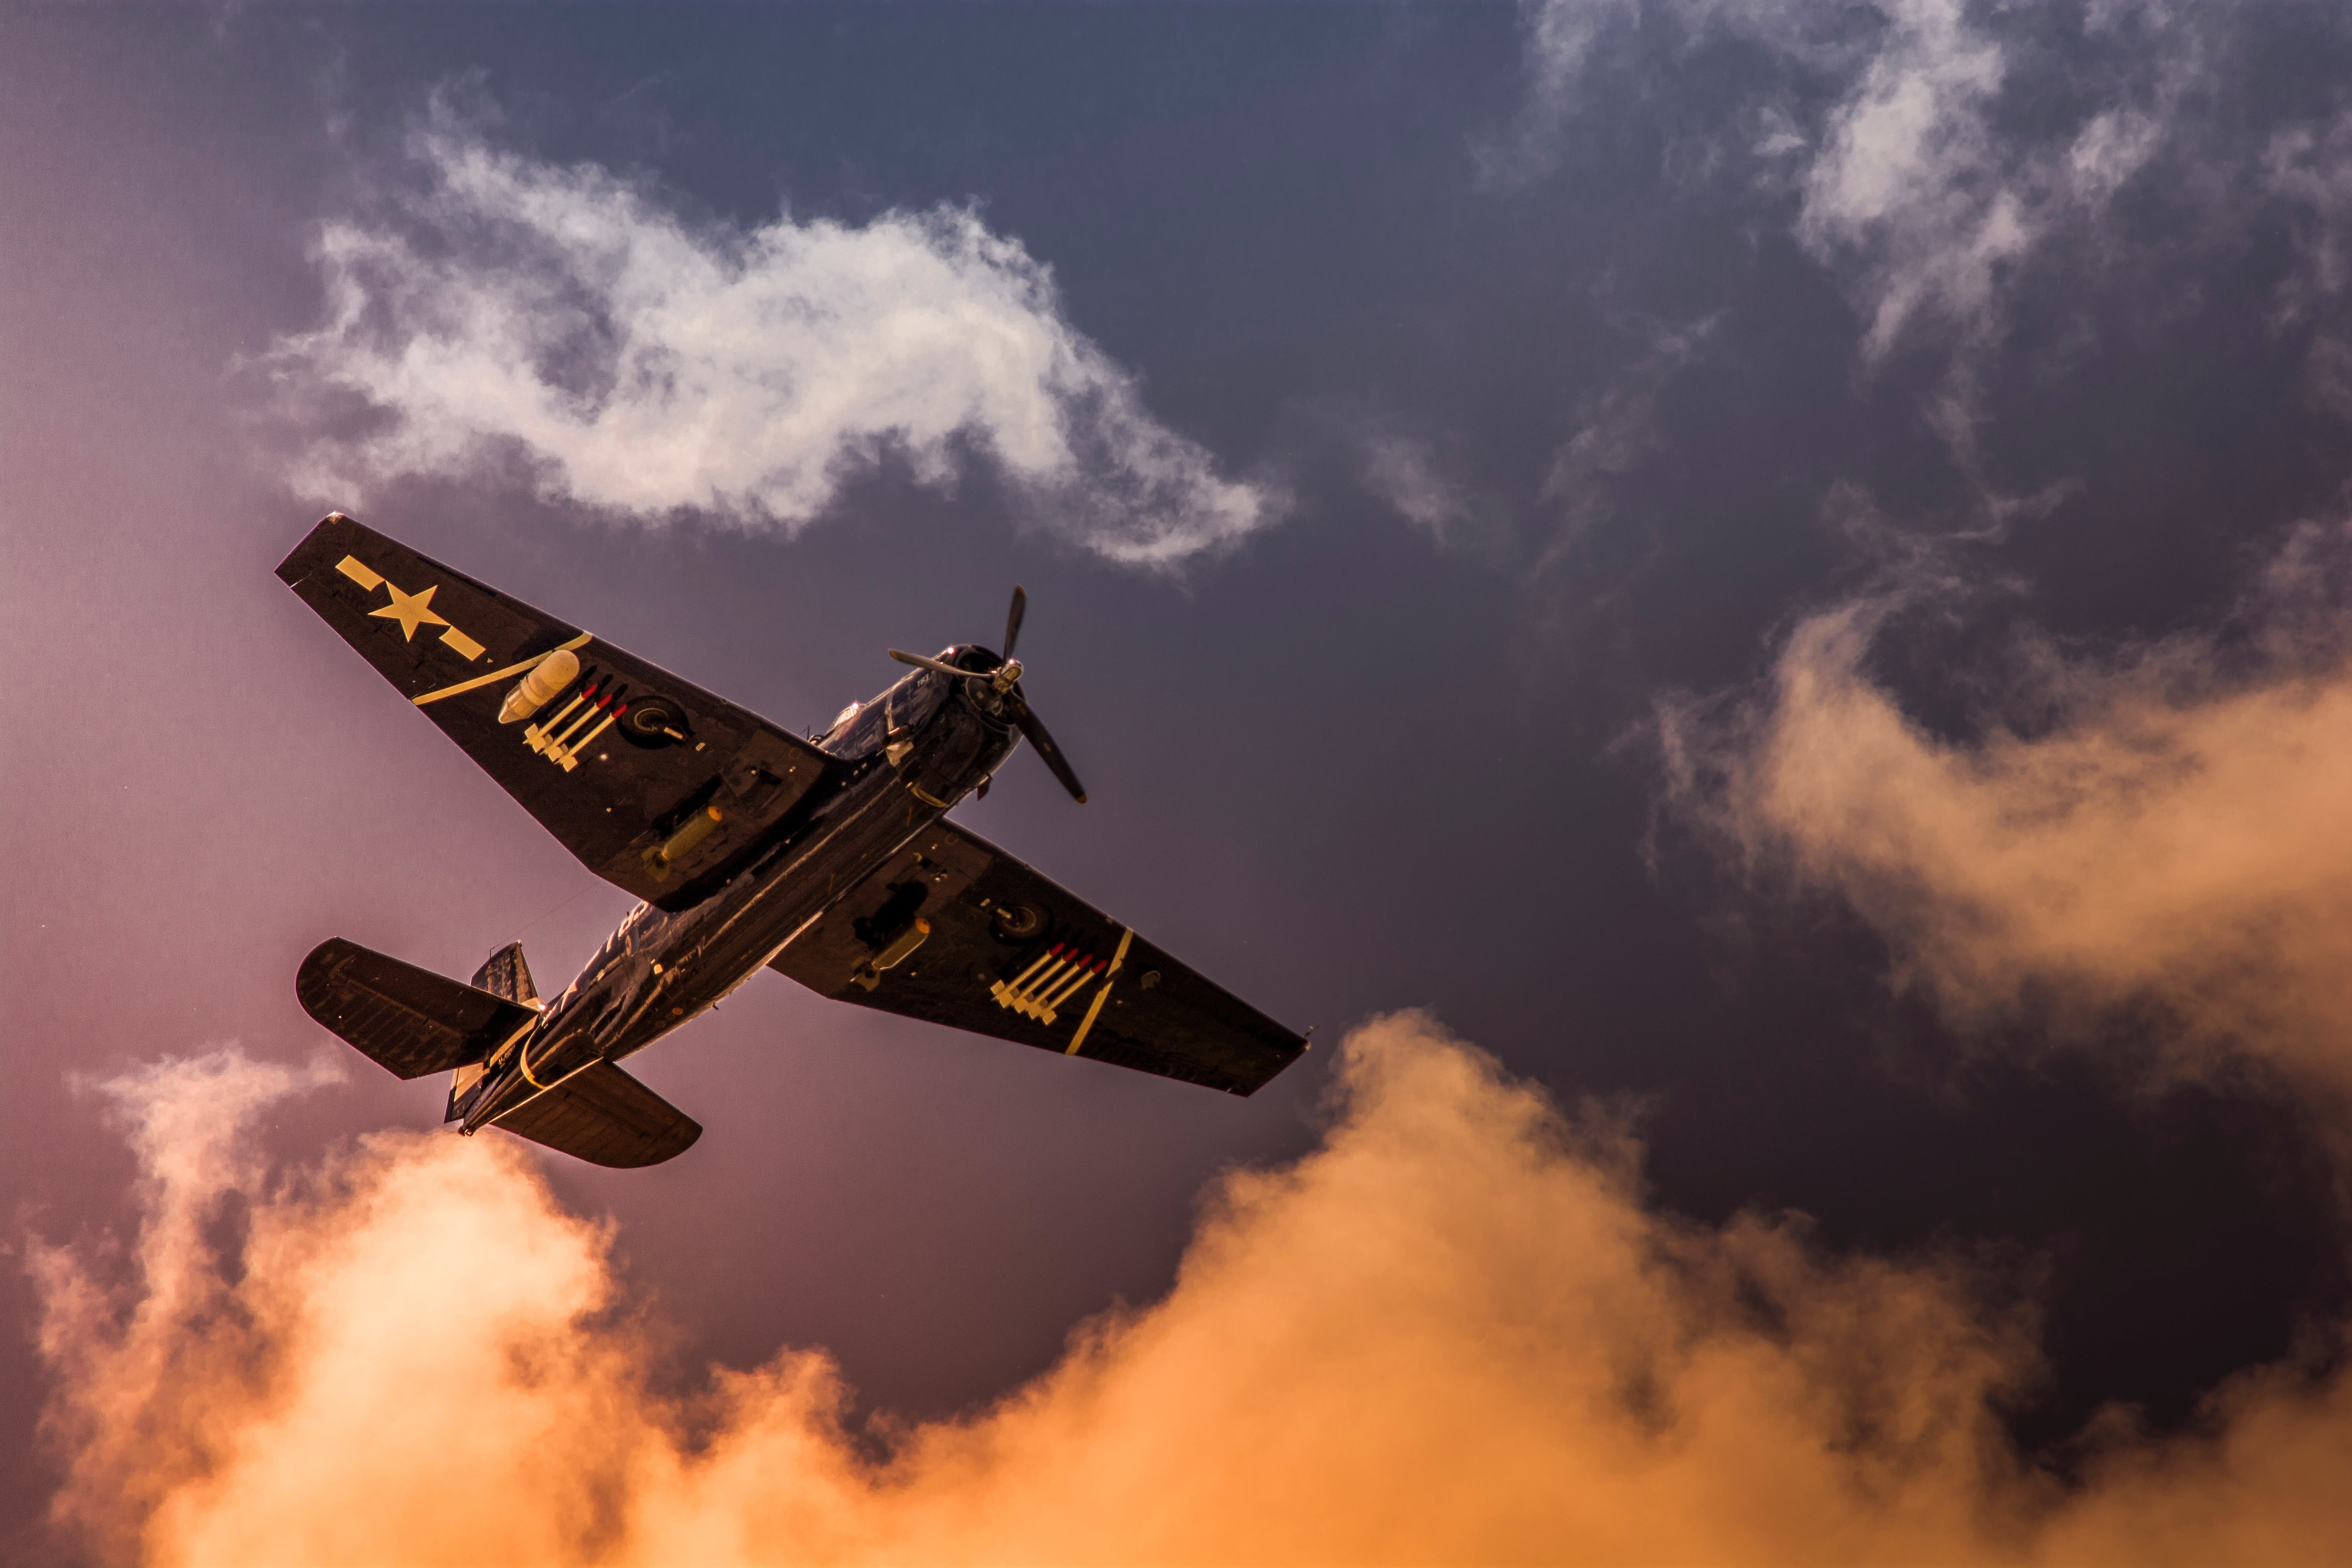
pixel 863 729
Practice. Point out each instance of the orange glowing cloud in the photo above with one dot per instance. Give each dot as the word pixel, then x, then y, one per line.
pixel 1454 1332
pixel 2174 831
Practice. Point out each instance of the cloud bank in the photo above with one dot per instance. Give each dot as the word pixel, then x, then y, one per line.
pixel 639 364
pixel 1453 1332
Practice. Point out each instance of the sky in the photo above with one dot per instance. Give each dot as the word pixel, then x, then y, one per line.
pixel 1745 605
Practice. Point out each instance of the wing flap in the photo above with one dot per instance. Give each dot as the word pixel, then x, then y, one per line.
pixel 615 761
pixel 410 1020
pixel 605 1117
pixel 1008 953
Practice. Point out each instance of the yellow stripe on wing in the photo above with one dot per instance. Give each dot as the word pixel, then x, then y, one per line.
pixel 1094 1009
pixel 583 640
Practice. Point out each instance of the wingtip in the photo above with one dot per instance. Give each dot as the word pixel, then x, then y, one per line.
pixel 298 562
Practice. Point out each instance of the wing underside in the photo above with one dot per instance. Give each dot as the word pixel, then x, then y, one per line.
pixel 954 930
pixel 605 1117
pixel 617 757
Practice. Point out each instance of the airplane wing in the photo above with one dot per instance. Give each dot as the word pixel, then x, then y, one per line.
pixel 954 930
pixel 620 759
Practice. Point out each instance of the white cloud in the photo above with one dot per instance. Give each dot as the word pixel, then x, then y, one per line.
pixel 1917 189
pixel 2111 149
pixel 644 365
pixel 1561 36
pixel 1404 472
pixel 1909 188
pixel 1908 181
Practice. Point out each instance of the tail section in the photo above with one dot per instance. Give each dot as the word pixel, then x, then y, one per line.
pixel 415 1023
pixel 503 973
pixel 410 1021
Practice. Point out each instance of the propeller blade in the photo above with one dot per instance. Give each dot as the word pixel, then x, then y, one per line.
pixel 1013 618
pixel 919 662
pixel 1034 732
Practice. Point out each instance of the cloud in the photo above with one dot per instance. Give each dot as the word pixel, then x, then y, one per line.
pixel 1929 187
pixel 1425 482
pixel 1616 431
pixel 1454 1331
pixel 1924 152
pixel 2163 825
pixel 1967 160
pixel 1560 37
pixel 143 1366
pixel 644 366
pixel 2310 168
pixel 1907 181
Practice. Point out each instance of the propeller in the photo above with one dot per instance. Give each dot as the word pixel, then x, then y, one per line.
pixel 919 662
pixel 1003 680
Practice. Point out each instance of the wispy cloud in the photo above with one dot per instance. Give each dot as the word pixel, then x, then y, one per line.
pixel 1560 38
pixel 1616 429
pixel 2161 826
pixel 1908 181
pixel 1932 192
pixel 2309 168
pixel 1425 483
pixel 1454 1331
pixel 639 364
pixel 1933 157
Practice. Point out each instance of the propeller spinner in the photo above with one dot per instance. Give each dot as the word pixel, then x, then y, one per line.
pixel 1004 679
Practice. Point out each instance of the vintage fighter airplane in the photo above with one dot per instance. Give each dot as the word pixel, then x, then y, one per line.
pixel 830 859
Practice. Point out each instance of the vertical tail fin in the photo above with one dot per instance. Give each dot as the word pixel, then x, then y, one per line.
pixel 504 975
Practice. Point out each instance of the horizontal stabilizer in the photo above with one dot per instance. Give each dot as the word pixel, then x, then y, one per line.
pixel 605 1117
pixel 411 1020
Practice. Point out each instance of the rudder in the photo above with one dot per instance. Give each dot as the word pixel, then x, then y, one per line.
pixel 504 974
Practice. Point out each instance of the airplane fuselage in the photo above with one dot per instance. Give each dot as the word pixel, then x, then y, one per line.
pixel 898 764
